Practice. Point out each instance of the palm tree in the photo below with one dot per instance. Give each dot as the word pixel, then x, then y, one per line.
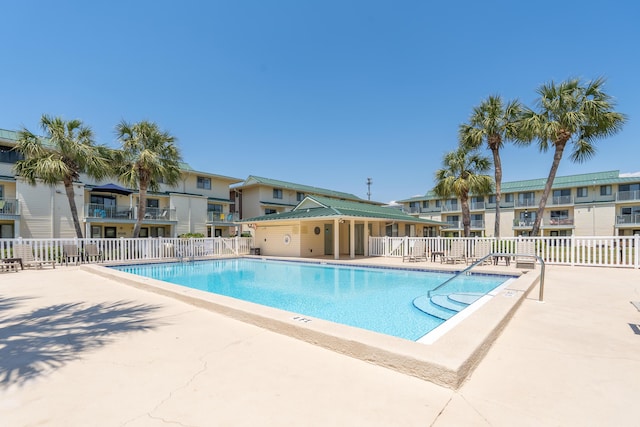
pixel 66 151
pixel 495 123
pixel 148 155
pixel 569 112
pixel 464 173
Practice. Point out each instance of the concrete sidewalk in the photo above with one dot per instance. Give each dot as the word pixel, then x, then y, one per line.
pixel 81 350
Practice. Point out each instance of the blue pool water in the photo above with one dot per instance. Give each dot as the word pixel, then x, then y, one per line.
pixel 376 299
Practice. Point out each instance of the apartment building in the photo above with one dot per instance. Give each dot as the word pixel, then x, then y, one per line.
pixel 200 203
pixel 594 204
pixel 259 196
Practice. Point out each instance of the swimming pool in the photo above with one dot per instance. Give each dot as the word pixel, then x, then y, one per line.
pixel 376 299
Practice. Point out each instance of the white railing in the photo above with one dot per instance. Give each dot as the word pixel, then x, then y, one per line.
pixel 128 250
pixel 602 251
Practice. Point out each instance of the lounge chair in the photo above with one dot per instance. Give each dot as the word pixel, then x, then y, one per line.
pixel 92 253
pixel 481 249
pixel 70 253
pixel 456 253
pixel 416 253
pixel 25 252
pixel 525 254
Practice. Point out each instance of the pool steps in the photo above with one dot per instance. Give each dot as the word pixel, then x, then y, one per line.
pixel 445 306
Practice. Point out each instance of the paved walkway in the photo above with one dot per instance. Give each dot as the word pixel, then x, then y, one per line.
pixel 80 350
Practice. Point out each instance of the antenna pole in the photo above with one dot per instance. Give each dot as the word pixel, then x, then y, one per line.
pixel 369 182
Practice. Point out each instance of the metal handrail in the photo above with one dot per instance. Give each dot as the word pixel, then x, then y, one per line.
pixel 495 254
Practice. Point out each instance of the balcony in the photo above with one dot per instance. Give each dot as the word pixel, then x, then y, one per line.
pixel 625 196
pixel 560 221
pixel 561 200
pixel 450 207
pixel 95 210
pixel 9 207
pixel 477 206
pixel 412 210
pixel 457 225
pixel 526 203
pixel 503 204
pixel 526 223
pixel 633 219
pixel 220 217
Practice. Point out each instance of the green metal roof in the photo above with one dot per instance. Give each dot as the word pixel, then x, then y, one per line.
pixel 8 135
pixel 568 181
pixel 318 206
pixel 216 199
pixel 307 189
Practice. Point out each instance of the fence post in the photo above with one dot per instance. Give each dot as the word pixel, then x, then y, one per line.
pixel 572 251
pixel 636 242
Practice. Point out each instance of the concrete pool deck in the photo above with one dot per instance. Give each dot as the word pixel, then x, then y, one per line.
pixel 77 349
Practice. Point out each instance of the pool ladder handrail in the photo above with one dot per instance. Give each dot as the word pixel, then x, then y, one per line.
pixel 497 254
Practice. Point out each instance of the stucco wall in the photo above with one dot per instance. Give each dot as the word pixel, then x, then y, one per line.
pixel 594 220
pixel 271 240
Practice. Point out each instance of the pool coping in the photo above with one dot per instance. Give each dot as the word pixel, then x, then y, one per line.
pixel 448 361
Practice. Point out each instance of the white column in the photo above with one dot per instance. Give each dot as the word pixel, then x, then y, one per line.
pixel 336 239
pixel 352 238
pixel 366 237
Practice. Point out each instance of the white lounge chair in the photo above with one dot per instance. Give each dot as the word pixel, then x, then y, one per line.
pixel 25 252
pixel 525 254
pixel 417 252
pixel 456 253
pixel 481 249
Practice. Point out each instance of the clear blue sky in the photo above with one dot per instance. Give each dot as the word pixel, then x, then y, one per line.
pixel 323 93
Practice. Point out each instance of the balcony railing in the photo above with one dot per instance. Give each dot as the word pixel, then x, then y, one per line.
pixel 561 200
pixel 525 203
pixel 450 207
pixel 623 196
pixel 632 219
pixel 457 225
pixel 476 206
pixel 219 217
pixel 95 210
pixel 9 207
pixel 419 210
pixel 560 221
pixel 503 204
pixel 528 222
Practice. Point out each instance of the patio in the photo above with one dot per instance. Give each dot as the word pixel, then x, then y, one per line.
pixel 81 350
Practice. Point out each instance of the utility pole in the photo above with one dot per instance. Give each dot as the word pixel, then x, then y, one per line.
pixel 369 182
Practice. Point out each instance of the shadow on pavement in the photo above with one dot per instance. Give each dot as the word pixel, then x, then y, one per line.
pixel 48 337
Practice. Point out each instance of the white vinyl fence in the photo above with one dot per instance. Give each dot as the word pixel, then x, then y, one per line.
pixel 602 251
pixel 127 250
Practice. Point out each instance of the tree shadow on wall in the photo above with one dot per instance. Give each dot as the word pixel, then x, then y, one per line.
pixel 49 337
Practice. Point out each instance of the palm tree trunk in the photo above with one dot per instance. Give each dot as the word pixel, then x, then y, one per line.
pixel 466 216
pixel 497 164
pixel 557 156
pixel 68 188
pixel 142 208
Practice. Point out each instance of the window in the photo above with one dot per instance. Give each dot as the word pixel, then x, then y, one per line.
pixel 582 192
pixel 425 204
pixel 153 203
pixel 7 155
pixel 269 211
pixel 1 192
pixel 214 207
pixel 605 190
pixel 277 193
pixel 559 217
pixel 453 219
pixel 437 203
pixel 561 193
pixel 492 199
pixel 526 199
pixel 508 198
pixel 106 201
pixel 392 230
pixel 204 182
pixel 299 196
